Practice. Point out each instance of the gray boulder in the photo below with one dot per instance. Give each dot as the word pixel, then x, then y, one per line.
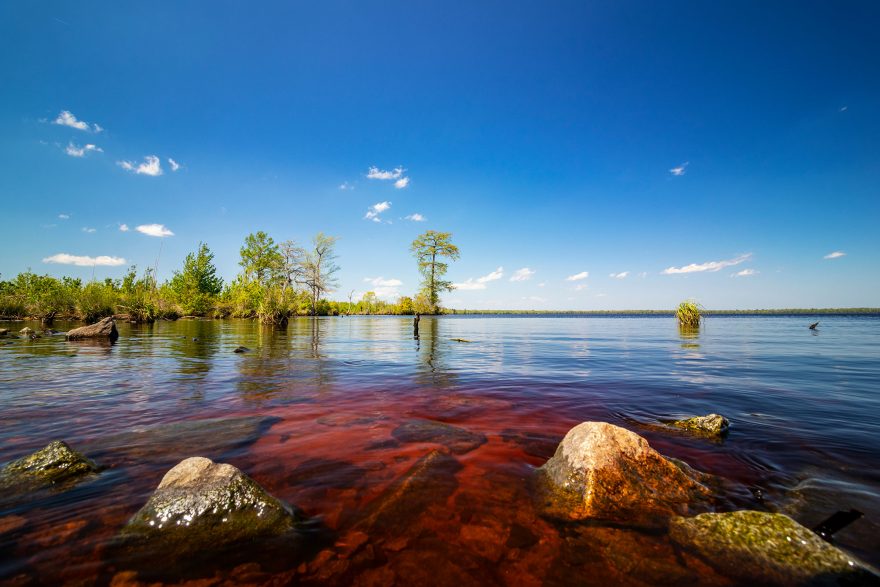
pixel 105 328
pixel 768 549
pixel 201 506
pixel 56 463
pixel 605 472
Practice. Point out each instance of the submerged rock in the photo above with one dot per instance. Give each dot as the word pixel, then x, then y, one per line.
pixel 105 328
pixel 711 425
pixel 56 463
pixel 203 507
pixel 458 440
pixel 606 472
pixel 431 480
pixel 4 331
pixel 26 331
pixel 768 549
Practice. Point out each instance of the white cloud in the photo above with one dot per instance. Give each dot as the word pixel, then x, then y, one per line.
pixel 416 217
pixel 643 274
pixel 707 266
pixel 66 118
pixel 680 170
pixel 123 227
pixel 344 186
pixel 480 282
pixel 401 183
pixel 835 255
pixel 578 276
pixel 385 288
pixel 84 261
pixel 523 274
pixel 744 273
pixel 64 216
pixel 375 210
pixel 157 230
pixel 150 166
pixel 174 164
pixel 376 173
pixel 580 287
pixel 75 151
pixel 621 275
pixel 844 108
pixel 88 229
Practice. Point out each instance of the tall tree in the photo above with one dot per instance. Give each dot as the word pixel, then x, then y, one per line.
pixel 198 282
pixel 428 249
pixel 318 267
pixel 291 263
pixel 260 258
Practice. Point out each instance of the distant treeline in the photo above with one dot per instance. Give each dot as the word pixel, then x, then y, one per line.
pixel 773 312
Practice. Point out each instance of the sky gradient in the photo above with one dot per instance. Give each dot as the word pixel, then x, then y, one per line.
pixel 611 155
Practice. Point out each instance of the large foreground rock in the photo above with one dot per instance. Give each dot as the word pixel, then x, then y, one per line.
pixel 768 549
pixel 55 464
pixel 202 509
pixel 106 328
pixel 606 472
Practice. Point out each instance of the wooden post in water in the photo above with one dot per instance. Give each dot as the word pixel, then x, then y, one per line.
pixel 416 325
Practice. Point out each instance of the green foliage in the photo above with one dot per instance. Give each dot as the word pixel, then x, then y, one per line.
pixel 197 286
pixel 428 249
pixel 96 301
pixel 689 314
pixel 261 259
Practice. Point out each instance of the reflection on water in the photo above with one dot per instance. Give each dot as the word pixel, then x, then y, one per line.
pixel 321 412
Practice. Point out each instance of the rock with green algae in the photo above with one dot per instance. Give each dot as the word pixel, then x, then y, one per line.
pixel 54 464
pixel 202 508
pixel 602 471
pixel 711 425
pixel 768 549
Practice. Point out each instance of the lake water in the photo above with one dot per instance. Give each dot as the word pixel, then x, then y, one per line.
pixel 314 413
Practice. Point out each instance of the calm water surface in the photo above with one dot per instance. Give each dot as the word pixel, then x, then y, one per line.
pixel 312 411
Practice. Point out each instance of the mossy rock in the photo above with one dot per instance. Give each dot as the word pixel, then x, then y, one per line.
pixel 768 549
pixel 56 463
pixel 201 509
pixel 713 425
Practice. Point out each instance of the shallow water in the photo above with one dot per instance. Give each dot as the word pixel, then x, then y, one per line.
pixel 314 413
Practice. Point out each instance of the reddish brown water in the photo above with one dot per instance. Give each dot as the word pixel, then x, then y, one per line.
pixel 325 400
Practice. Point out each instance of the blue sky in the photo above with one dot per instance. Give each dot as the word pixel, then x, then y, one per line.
pixel 721 151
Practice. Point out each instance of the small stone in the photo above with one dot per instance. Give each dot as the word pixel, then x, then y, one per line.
pixel 241 349
pixel 765 548
pixel 711 425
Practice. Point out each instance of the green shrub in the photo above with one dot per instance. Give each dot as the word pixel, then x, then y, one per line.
pixel 689 313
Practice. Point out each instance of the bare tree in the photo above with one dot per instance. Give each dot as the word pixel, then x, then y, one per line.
pixel 318 267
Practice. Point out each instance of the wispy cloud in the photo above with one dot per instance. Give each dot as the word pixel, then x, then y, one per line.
pixel 542 284
pixel 621 275
pixel 710 266
pixel 578 276
pixel 580 287
pixel 77 151
pixel 480 282
pixel 376 173
pixel 835 255
pixel 174 164
pixel 157 230
pixel 844 108
pixel 345 186
pixel 416 217
pixel 385 288
pixel 523 274
pixel 150 166
pixel 66 118
pixel 680 170
pixel 123 227
pixel 745 273
pixel 375 210
pixel 85 261
pixel 396 174
pixel 88 229
pixel 64 216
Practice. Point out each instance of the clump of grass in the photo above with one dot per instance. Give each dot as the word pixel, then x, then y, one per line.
pixel 689 314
